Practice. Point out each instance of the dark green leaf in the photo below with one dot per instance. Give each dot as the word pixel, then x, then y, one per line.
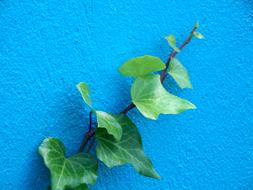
pixel 198 35
pixel 179 73
pixel 67 172
pixel 127 151
pixel 82 187
pixel 151 99
pixel 141 66
pixel 110 123
pixel 172 42
pixel 85 92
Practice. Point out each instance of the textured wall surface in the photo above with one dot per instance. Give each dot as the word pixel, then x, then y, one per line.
pixel 48 46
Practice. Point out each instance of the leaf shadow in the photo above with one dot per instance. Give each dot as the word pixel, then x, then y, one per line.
pixel 37 176
pixel 249 5
pixel 71 120
pixel 248 2
pixel 115 177
pixel 122 87
pixel 170 84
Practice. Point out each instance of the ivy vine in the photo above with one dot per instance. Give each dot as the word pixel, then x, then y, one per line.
pixel 118 141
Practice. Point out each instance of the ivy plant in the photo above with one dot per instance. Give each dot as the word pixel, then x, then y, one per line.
pixel 118 141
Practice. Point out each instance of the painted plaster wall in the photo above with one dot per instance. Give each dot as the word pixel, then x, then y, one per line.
pixel 48 46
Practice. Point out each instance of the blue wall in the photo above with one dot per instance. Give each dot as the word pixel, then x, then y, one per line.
pixel 48 46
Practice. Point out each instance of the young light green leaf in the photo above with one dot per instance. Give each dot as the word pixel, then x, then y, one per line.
pixel 67 172
pixel 110 123
pixel 197 25
pixel 151 99
pixel 179 74
pixel 172 42
pixel 85 92
pixel 141 66
pixel 126 151
pixel 198 35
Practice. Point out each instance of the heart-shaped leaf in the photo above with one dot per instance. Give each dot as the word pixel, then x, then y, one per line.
pixel 73 172
pixel 152 99
pixel 110 123
pixel 126 151
pixel 179 74
pixel 85 92
pixel 141 66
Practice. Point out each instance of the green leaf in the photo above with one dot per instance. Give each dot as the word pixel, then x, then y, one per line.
pixel 67 172
pixel 82 187
pixel 85 92
pixel 198 35
pixel 151 99
pixel 110 123
pixel 179 74
pixel 172 42
pixel 140 66
pixel 196 25
pixel 127 151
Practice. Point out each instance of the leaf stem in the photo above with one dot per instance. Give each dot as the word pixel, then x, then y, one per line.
pixel 90 145
pixel 91 132
pixel 90 127
pixel 128 108
pixel 174 53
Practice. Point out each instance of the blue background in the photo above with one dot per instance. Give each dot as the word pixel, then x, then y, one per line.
pixel 48 46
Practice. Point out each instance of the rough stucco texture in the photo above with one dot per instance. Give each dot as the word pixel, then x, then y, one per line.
pixel 48 46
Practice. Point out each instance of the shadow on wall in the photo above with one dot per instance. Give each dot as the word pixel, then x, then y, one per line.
pixel 70 121
pixel 37 174
pixel 249 4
